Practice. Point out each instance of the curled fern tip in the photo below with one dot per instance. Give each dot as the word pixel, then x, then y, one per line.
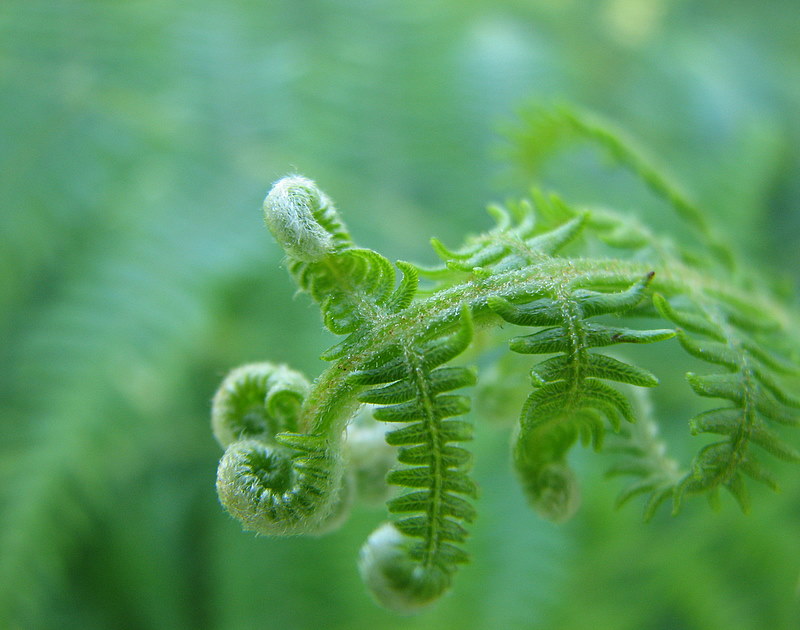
pixel 292 211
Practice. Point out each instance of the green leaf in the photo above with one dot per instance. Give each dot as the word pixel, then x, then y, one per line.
pixel 593 303
pixel 596 366
pixel 595 335
pixel 551 242
pixel 690 321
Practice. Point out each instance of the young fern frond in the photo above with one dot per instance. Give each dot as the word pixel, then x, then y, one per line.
pixel 435 508
pixel 272 480
pixel 571 398
pixel 288 467
pixel 564 125
pixel 751 385
pixel 515 242
pixel 643 455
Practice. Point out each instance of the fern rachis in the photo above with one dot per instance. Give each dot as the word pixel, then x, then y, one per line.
pixel 287 468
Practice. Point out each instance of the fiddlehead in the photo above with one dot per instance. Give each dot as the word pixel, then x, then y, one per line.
pixel 293 465
pixel 273 480
pixel 351 285
pixel 409 563
pixel 281 474
pixel 303 220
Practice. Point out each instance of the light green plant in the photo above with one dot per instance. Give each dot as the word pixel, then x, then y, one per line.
pixel 581 280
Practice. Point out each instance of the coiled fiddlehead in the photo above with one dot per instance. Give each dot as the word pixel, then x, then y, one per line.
pixel 274 481
pixel 289 469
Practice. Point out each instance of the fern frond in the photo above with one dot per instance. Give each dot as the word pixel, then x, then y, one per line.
pixel 752 385
pixel 286 468
pixel 571 398
pixel 642 454
pixel 434 509
pixel 515 242
pixel 546 130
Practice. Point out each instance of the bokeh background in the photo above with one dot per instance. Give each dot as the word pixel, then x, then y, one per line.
pixel 137 140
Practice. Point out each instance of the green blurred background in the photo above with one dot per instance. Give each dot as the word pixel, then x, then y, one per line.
pixel 137 140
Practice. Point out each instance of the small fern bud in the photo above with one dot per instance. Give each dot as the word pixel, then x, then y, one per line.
pixel 273 490
pixel 256 401
pixel 252 480
pixel 395 580
pixel 552 490
pixel 301 218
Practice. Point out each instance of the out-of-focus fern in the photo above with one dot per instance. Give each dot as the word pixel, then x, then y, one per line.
pixel 526 271
pixel 129 138
pixel 743 340
pixel 73 455
pixel 545 131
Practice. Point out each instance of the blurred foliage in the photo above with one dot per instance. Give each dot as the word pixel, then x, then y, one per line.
pixel 136 142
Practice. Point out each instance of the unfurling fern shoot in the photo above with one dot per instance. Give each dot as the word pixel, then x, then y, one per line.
pixel 293 466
